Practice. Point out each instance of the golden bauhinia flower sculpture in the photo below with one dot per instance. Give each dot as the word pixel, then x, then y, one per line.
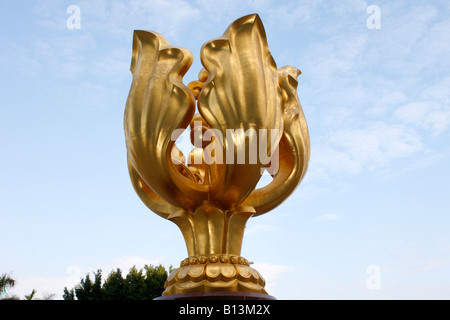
pixel 249 120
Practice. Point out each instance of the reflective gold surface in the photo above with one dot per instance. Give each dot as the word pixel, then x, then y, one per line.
pixel 210 193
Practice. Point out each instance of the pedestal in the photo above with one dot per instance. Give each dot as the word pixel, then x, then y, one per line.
pixel 217 295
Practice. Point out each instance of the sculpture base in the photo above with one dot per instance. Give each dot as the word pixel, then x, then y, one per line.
pixel 217 295
pixel 215 273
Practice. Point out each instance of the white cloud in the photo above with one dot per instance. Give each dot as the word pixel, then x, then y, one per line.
pixel 113 65
pixel 328 217
pixel 292 14
pixel 431 51
pixel 125 263
pixel 258 228
pixel 118 19
pixel 369 91
pixel 17 56
pixel 356 150
pixel 334 59
pixel 416 266
pixel 386 102
pixel 438 91
pixel 271 273
pixel 426 114
pixel 43 287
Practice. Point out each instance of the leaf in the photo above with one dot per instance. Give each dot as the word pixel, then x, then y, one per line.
pixel 31 295
pixel 294 149
pixel 240 93
pixel 158 106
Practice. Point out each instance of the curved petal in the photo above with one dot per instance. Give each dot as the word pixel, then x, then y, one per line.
pixel 149 197
pixel 241 94
pixel 158 104
pixel 294 149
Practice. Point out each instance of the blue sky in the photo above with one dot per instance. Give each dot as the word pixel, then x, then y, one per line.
pixel 377 103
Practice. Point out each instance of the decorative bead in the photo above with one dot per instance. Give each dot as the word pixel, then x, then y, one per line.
pixel 213 259
pixel 185 262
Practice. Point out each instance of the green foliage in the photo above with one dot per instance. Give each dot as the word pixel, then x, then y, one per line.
pixel 143 284
pixel 154 280
pixel 135 285
pixel 69 294
pixel 31 295
pixel 114 286
pixel 6 282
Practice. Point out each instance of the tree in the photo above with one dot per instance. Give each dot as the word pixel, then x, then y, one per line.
pixel 7 282
pixel 97 290
pixel 31 295
pixel 88 289
pixel 114 286
pixel 135 285
pixel 155 277
pixel 48 296
pixel 69 294
pixel 143 284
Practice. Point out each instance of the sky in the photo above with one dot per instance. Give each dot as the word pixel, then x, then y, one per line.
pixel 371 218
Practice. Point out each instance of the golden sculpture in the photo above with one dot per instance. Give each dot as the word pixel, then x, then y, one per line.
pixel 211 195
